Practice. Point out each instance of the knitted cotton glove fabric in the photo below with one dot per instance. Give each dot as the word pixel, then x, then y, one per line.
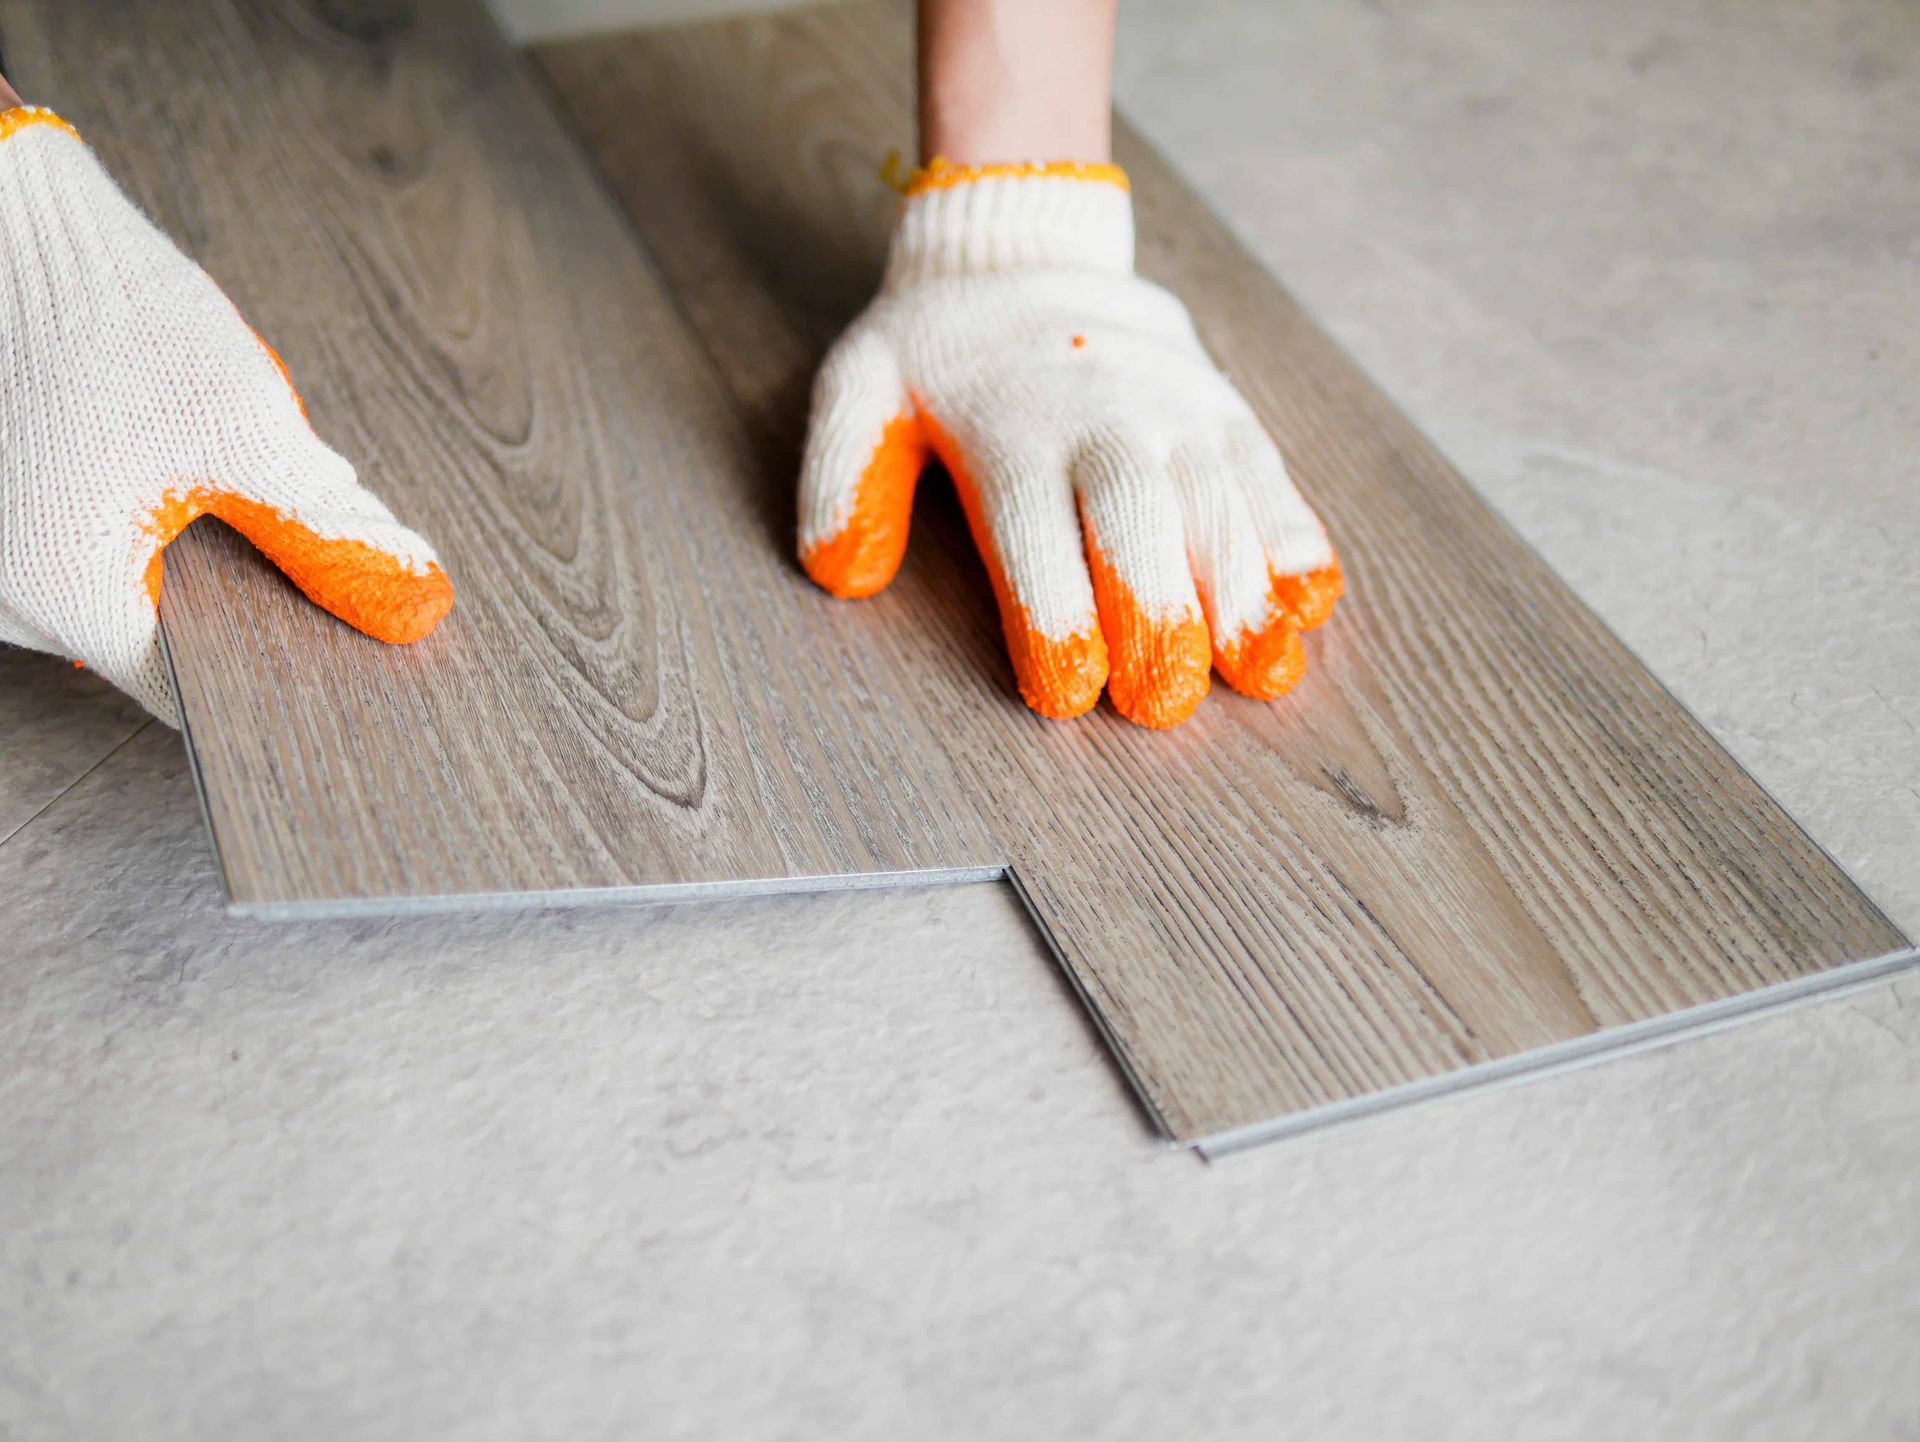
pixel 134 399
pixel 1135 518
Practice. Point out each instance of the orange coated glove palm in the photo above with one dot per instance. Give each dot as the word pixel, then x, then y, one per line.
pixel 1136 520
pixel 135 399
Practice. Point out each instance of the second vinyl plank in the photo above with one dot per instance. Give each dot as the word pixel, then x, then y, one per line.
pixel 1479 832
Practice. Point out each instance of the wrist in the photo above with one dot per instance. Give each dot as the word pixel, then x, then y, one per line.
pixel 1033 215
pixel 977 128
pixel 1008 80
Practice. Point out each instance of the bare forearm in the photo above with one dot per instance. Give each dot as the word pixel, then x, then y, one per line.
pixel 9 97
pixel 1015 80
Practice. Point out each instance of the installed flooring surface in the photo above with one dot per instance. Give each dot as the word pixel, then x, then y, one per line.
pixel 854 1165
pixel 1479 830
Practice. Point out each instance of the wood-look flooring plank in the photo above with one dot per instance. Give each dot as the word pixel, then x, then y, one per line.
pixel 1477 831
pixel 627 691
pixel 1479 828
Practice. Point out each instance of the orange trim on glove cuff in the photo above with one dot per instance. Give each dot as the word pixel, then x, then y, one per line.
pixel 23 117
pixel 940 173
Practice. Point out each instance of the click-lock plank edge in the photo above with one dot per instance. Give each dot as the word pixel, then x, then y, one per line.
pixel 1479 833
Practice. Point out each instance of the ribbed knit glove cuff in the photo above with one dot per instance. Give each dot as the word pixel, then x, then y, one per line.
pixel 988 219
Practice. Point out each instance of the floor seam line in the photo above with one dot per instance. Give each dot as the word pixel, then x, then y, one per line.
pixel 63 792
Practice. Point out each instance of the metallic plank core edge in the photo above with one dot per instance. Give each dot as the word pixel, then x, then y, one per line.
pixel 667 893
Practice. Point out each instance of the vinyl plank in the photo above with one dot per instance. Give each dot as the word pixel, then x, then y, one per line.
pixel 625 694
pixel 1479 834
pixel 1480 829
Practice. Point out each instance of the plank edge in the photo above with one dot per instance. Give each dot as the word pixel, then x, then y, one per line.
pixel 568 898
pixel 200 794
pixel 1542 1062
pixel 1165 1133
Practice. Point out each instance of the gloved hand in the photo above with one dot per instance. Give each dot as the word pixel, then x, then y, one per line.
pixel 1134 516
pixel 133 398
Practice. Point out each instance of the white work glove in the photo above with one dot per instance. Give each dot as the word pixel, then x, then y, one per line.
pixel 1134 516
pixel 133 399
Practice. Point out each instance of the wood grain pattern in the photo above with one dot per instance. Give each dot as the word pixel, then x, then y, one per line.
pixel 1478 830
pixel 1480 827
pixel 626 689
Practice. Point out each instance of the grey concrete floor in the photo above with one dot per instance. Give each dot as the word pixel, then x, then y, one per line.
pixel 857 1165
